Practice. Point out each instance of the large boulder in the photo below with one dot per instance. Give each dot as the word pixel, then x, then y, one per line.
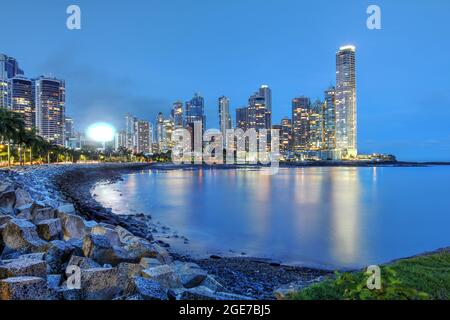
pixel 50 229
pixel 21 235
pixel 99 248
pixel 190 274
pixel 7 200
pixel 149 262
pixel 23 288
pixel 127 272
pixel 42 214
pixel 164 275
pixel 73 226
pixel 100 284
pixel 67 208
pixel 82 262
pixel 23 198
pixel 23 267
pixel 107 231
pixel 147 289
pixel 58 254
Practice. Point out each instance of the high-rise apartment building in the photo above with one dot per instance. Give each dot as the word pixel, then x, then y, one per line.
pixel 329 119
pixel 177 115
pixel 142 137
pixel 20 99
pixel 224 116
pixel 346 121
pixel 50 99
pixel 316 127
pixel 301 108
pixel 195 111
pixel 286 136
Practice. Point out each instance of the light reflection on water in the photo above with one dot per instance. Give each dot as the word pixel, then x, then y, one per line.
pixel 336 217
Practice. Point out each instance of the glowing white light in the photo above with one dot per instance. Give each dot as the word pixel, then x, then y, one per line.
pixel 101 132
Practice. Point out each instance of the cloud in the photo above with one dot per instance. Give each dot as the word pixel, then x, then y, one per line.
pixel 94 95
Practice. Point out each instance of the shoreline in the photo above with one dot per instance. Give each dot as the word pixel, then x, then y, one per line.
pixel 252 276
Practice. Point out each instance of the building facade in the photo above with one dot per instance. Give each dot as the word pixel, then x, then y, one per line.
pixel 301 107
pixel 21 100
pixel 346 116
pixel 50 99
pixel 195 111
pixel 177 115
pixel 224 116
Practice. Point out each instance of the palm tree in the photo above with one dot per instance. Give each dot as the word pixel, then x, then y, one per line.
pixel 11 128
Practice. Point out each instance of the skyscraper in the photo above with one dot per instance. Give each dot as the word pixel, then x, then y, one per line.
pixel 130 130
pixel 316 127
pixel 346 122
pixel 300 123
pixel 50 99
pixel 286 136
pixel 4 91
pixel 177 114
pixel 20 99
pixel 329 118
pixel 224 116
pixel 195 111
pixel 69 133
pixel 9 67
pixel 142 136
pixel 242 118
pixel 159 130
pixel 266 93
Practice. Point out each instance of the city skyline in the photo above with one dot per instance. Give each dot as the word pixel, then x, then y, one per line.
pixel 157 67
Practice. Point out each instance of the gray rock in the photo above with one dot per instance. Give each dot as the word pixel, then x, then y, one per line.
pixel 108 232
pixel 101 250
pixel 67 208
pixel 212 284
pixel 23 267
pixel 54 281
pixel 82 262
pixel 50 229
pixel 164 275
pixel 127 271
pixel 21 235
pixel 5 218
pixel 58 253
pixel 190 274
pixel 148 289
pixel 23 198
pixel 73 226
pixel 149 262
pixel 7 201
pixel 100 284
pixel 23 288
pixel 41 214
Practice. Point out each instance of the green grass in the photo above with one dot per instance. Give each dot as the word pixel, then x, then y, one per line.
pixel 425 277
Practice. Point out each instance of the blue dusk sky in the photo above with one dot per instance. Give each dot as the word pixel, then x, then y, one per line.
pixel 141 55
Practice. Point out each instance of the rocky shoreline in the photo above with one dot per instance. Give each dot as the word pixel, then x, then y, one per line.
pixel 49 221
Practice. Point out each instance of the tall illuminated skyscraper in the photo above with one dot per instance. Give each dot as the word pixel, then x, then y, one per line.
pixel 50 99
pixel 224 116
pixel 301 107
pixel 20 99
pixel 346 121
pixel 329 118
pixel 195 111
pixel 177 115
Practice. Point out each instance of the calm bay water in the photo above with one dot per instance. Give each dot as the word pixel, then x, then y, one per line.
pixel 333 217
